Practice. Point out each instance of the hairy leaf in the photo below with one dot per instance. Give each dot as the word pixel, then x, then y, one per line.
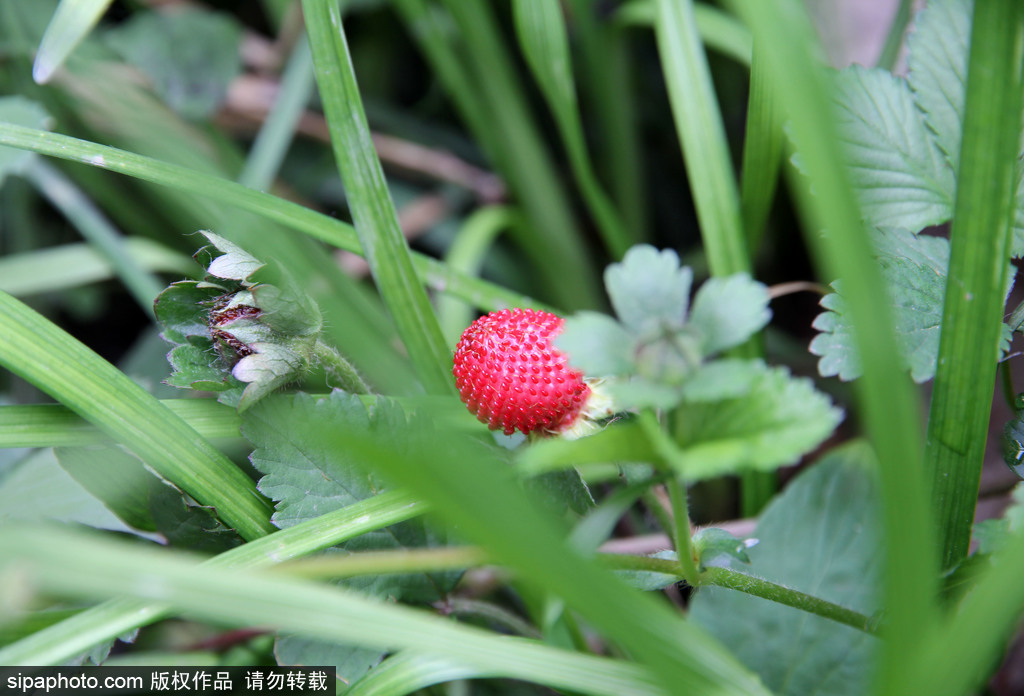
pixel 777 421
pixel 597 344
pixel 307 476
pixel 649 290
pixel 728 311
pixel 914 268
pixel 191 56
pixel 820 536
pixel 897 169
pixel 937 63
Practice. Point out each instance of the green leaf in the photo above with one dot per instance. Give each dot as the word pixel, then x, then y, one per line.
pixel 116 478
pixel 914 268
pixel 235 263
pixel 373 212
pixel 191 56
pixel 187 525
pixel 650 580
pixel 780 419
pixel 937 70
pixel 23 112
pixel 727 378
pixel 350 662
pixel 71 23
pixel 597 344
pixel 900 175
pixel 712 543
pixel 820 536
pixel 649 290
pixel 728 311
pixel 37 488
pixel 307 477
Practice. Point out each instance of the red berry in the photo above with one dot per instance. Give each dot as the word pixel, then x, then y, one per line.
pixel 512 377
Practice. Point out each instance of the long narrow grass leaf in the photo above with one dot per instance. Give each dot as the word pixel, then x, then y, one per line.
pixel 543 37
pixel 73 265
pixel 373 212
pixel 889 407
pixel 702 134
pixel 85 566
pixel 71 23
pixel 97 230
pixel 762 154
pixel 335 232
pixel 52 360
pixel 62 641
pixel 980 240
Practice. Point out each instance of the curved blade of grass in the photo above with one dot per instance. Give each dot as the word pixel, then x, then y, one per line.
pixel 335 232
pixel 53 425
pixel 97 230
pixel 410 671
pixel 556 245
pixel 606 89
pixel 889 405
pixel 85 565
pixel 62 641
pixel 466 255
pixel 705 148
pixel 980 240
pixel 709 168
pixel 894 40
pixel 271 144
pixel 373 212
pixel 52 360
pixel 718 30
pixel 762 154
pixel 71 23
pixel 540 27
pixel 72 265
pixel 480 498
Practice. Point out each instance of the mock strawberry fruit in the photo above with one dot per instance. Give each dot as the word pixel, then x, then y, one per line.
pixel 512 377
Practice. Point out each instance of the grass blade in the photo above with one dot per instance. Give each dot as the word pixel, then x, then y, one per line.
pixel 376 221
pixel 335 232
pixel 52 360
pixel 543 37
pixel 72 265
pixel 980 242
pixel 62 641
pixel 86 566
pixel 762 155
pixel 71 23
pixel 97 230
pixel 888 403
pixel 700 128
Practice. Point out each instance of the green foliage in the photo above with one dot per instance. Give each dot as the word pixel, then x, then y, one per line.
pixel 820 536
pixel 190 56
pixel 903 138
pixel 24 112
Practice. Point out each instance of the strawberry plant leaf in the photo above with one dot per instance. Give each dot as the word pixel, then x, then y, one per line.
pixel 820 536
pixel 777 421
pixel 649 290
pixel 307 476
pixel 727 311
pixel 727 378
pixel 937 65
pixel 712 544
pixel 896 167
pixel 350 663
pixel 914 268
pixel 191 56
pixel 188 525
pixel 597 344
pixel 117 479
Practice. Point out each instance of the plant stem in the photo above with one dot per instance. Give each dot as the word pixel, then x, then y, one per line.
pixel 759 587
pixel 340 369
pixel 491 612
pixel 679 527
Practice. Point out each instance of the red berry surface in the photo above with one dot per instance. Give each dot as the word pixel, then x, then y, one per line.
pixel 511 376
